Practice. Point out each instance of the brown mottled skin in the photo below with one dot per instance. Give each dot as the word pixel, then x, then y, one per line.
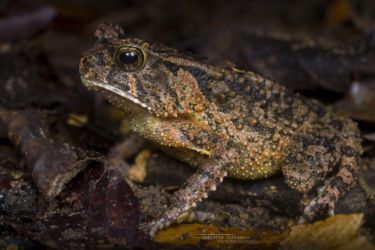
pixel 225 121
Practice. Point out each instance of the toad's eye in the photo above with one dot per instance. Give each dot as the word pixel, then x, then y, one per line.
pixel 130 58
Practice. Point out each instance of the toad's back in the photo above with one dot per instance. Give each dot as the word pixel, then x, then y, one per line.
pixel 266 124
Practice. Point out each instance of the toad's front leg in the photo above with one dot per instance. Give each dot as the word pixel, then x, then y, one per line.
pixel 206 179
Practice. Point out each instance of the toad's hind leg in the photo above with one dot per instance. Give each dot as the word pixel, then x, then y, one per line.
pixel 333 190
pixel 194 190
pixel 319 154
pixel 345 178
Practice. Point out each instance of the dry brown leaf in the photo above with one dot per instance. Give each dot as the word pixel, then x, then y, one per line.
pixel 217 237
pixel 338 232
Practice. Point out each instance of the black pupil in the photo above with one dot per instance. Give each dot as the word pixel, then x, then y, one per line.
pixel 129 57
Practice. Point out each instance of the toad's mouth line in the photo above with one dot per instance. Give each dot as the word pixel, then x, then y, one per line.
pixel 89 83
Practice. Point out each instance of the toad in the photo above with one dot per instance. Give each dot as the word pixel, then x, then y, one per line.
pixel 224 121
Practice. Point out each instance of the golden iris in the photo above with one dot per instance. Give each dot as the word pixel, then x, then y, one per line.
pixel 130 58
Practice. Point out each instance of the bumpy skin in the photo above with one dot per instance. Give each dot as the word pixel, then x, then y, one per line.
pixel 225 121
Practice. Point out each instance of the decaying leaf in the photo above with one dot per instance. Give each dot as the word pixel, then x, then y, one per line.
pixel 360 101
pixel 216 237
pixel 338 232
pixel 96 209
pixel 53 163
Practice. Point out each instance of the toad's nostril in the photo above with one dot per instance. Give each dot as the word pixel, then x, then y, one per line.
pixel 87 66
